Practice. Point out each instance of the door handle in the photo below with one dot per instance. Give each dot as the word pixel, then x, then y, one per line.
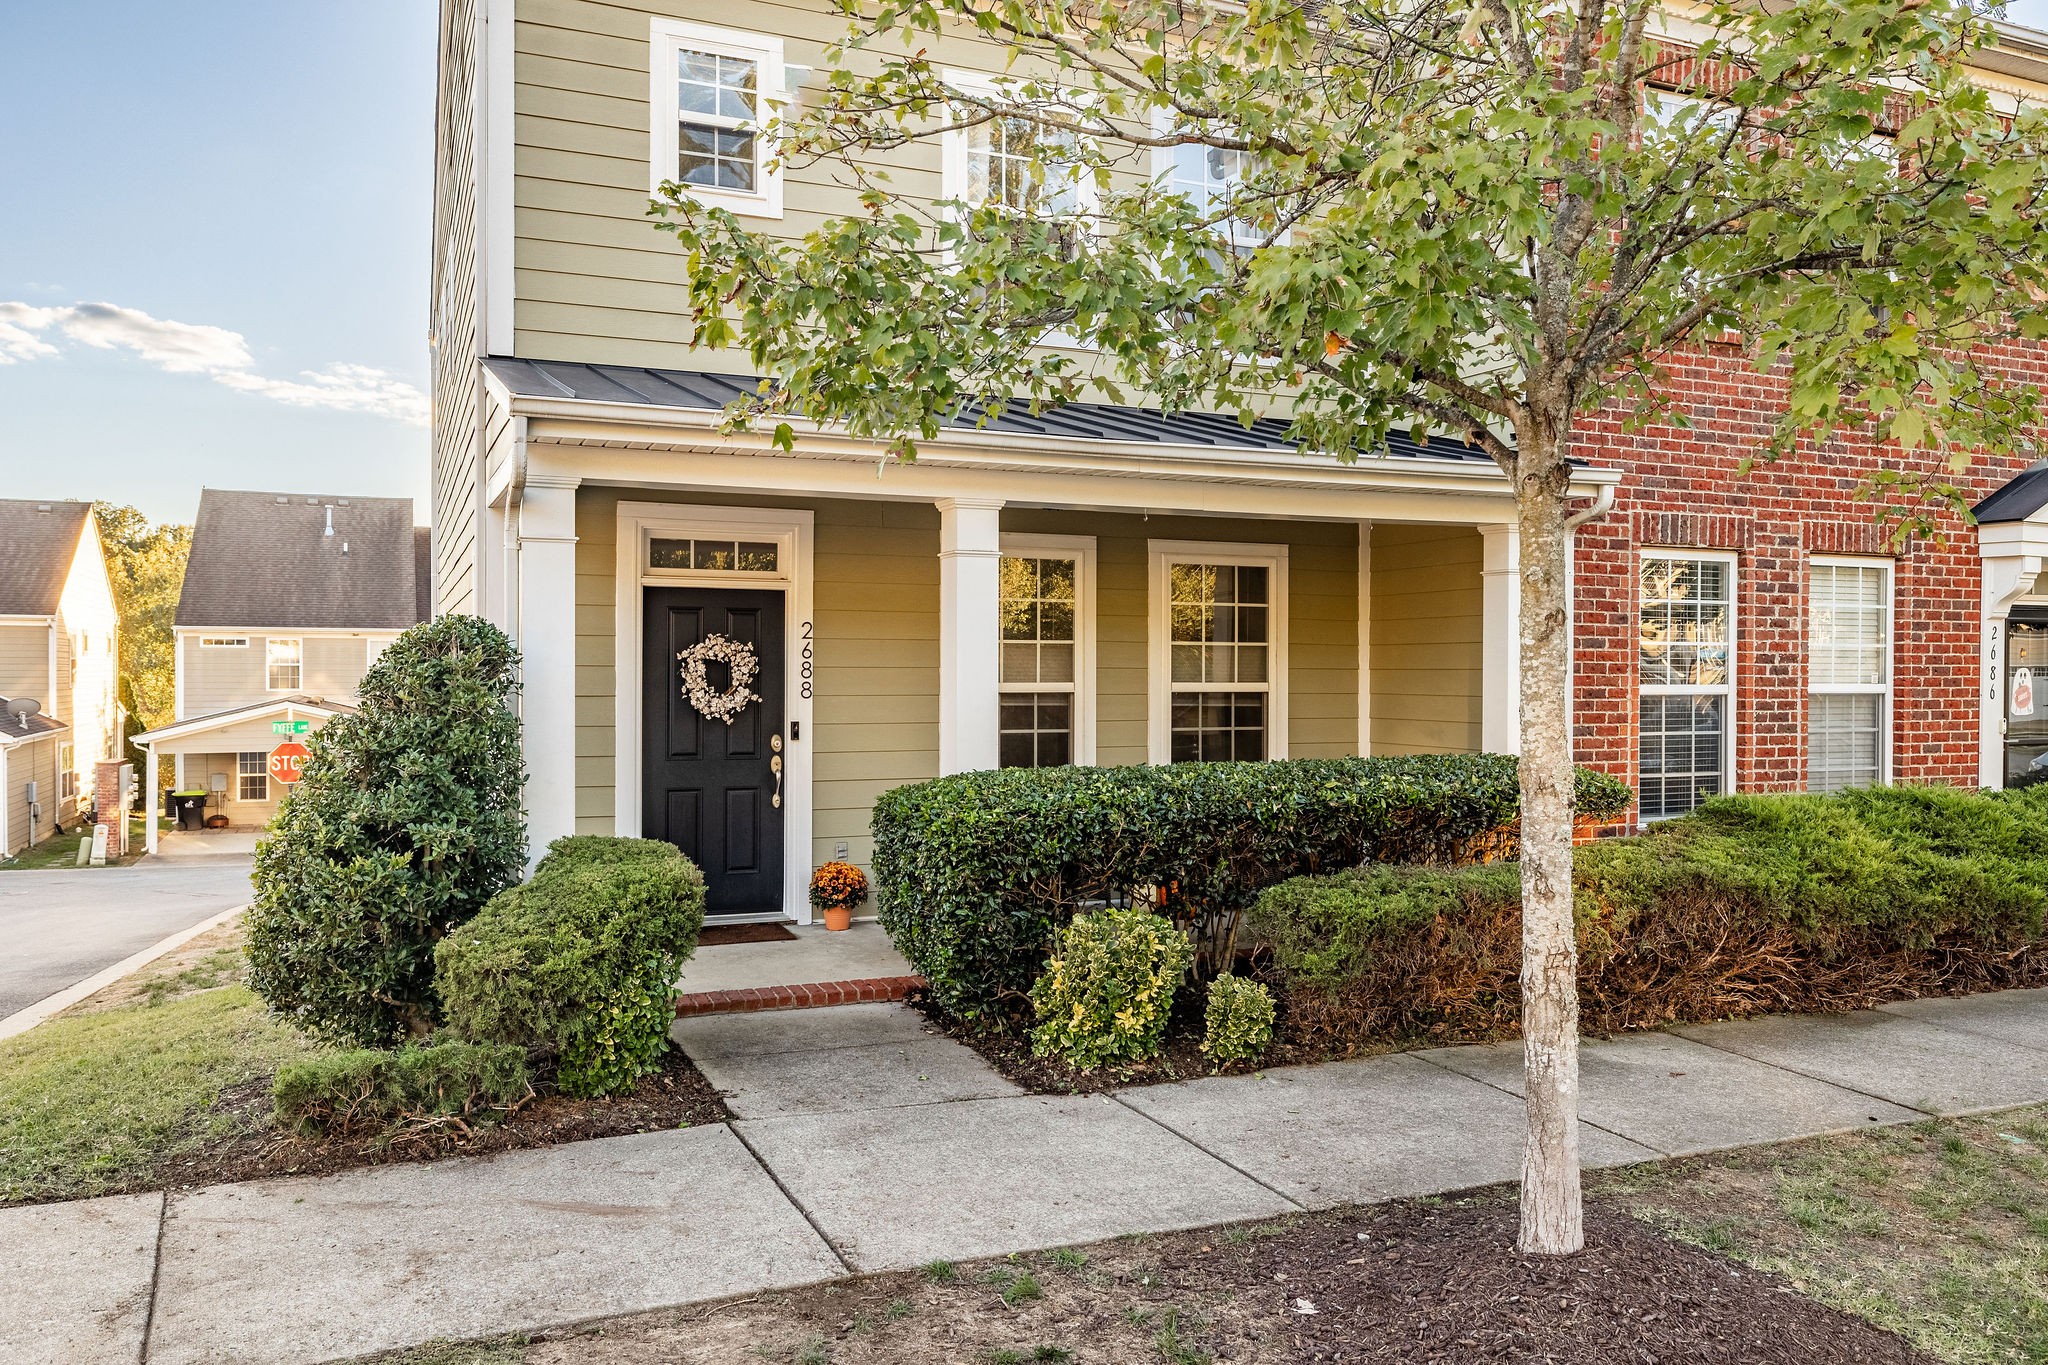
pixel 775 766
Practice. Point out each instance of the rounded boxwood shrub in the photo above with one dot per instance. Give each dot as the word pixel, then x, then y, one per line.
pixel 975 872
pixel 373 1090
pixel 407 821
pixel 1108 991
pixel 1749 905
pixel 581 961
pixel 1237 1020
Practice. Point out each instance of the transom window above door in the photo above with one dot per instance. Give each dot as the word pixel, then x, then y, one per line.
pixel 714 556
pixel 1222 640
pixel 711 96
pixel 1045 676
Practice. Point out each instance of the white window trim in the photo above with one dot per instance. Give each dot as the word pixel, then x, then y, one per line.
pixel 67 772
pixel 223 642
pixel 1889 568
pixel 1727 689
pixel 241 777
pixel 1159 676
pixel 269 665
pixel 1080 549
pixel 642 522
pixel 1163 170
pixel 666 38
pixel 954 146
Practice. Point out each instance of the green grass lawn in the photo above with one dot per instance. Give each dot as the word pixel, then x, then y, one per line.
pixel 61 850
pixel 1937 1231
pixel 96 1101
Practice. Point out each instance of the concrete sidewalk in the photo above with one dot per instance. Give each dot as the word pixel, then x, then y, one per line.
pixel 863 1142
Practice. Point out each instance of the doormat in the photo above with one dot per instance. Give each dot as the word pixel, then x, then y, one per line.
pixel 719 935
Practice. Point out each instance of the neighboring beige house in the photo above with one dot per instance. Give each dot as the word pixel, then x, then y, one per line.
pixel 288 598
pixel 59 649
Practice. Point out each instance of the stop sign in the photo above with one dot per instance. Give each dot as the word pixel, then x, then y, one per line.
pixel 287 762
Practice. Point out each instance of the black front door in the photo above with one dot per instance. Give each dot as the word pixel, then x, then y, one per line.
pixel 714 790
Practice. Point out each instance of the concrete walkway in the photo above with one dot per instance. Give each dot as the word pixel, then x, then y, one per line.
pixel 862 1142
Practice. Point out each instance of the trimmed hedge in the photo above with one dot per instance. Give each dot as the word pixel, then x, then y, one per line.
pixel 373 1091
pixel 1750 905
pixel 974 873
pixel 581 961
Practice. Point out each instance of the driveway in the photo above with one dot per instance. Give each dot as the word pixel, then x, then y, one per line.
pixel 62 926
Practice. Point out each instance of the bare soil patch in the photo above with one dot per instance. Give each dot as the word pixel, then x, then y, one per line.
pixel 1412 1282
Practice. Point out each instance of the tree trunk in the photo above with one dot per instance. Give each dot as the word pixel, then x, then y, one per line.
pixel 1552 1221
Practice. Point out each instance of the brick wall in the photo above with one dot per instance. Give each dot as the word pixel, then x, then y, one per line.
pixel 1683 489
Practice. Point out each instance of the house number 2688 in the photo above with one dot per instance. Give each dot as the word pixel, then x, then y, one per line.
pixel 804 669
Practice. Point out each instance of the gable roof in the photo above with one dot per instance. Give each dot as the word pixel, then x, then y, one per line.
pixel 268 561
pixel 704 391
pixel 38 541
pixel 2017 500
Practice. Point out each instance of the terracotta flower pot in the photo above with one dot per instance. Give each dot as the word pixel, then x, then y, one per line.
pixel 838 917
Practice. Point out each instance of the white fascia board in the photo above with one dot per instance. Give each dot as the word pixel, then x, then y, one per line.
pixel 582 419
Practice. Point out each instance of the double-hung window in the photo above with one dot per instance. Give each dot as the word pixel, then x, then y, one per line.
pixel 67 772
pixel 1686 651
pixel 1219 653
pixel 1848 677
pixel 1046 590
pixel 252 776
pixel 1208 177
pixel 284 664
pixel 711 95
pixel 1012 162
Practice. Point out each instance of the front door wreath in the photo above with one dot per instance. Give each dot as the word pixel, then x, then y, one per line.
pixel 706 700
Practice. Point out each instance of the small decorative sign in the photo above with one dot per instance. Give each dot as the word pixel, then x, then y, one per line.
pixel 2023 691
pixel 706 700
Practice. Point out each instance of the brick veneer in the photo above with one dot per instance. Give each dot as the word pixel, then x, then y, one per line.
pixel 806 996
pixel 1684 489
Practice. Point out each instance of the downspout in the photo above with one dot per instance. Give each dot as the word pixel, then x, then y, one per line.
pixel 1603 503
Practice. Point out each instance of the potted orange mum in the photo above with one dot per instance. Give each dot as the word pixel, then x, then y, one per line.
pixel 835 889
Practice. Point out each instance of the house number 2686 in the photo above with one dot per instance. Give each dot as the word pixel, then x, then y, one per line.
pixel 804 669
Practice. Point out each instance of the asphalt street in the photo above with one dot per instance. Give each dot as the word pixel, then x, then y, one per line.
pixel 59 927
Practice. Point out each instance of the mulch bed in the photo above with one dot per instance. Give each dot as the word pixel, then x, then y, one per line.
pixel 677 1096
pixel 1414 1283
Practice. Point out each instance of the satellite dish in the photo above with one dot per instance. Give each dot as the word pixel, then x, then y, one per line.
pixel 22 708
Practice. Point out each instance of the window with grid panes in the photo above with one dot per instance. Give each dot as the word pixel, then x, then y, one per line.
pixel 1848 674
pixel 1040 604
pixel 1685 652
pixel 252 776
pixel 1219 647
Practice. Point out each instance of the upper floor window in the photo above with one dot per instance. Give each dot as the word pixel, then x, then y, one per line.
pixel 1848 673
pixel 1208 177
pixel 1686 641
pixel 710 100
pixel 1046 677
pixel 285 664
pixel 1219 660
pixel 1013 162
pixel 224 642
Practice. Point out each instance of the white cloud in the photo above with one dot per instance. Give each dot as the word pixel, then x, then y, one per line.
pixel 27 332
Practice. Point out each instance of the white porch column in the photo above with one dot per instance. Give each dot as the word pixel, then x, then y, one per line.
pixel 970 634
pixel 152 800
pixel 546 616
pixel 1500 725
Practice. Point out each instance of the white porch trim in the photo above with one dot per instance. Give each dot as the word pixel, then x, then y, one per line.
pixel 547 647
pixel 2012 555
pixel 970 633
pixel 1500 573
pixel 793 530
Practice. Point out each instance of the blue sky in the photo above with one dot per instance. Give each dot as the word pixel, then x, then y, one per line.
pixel 261 167
pixel 245 186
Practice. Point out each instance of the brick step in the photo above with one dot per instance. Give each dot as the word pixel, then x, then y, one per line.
pixel 809 995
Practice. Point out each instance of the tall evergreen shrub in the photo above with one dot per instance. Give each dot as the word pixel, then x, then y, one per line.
pixel 407 822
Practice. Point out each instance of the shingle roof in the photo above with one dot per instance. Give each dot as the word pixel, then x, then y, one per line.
pixel 266 560
pixel 704 391
pixel 38 541
pixel 14 729
pixel 2025 495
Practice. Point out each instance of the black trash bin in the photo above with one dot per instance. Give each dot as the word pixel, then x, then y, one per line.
pixel 190 809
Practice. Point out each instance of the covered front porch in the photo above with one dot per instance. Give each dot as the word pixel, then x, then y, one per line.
pixel 1012 597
